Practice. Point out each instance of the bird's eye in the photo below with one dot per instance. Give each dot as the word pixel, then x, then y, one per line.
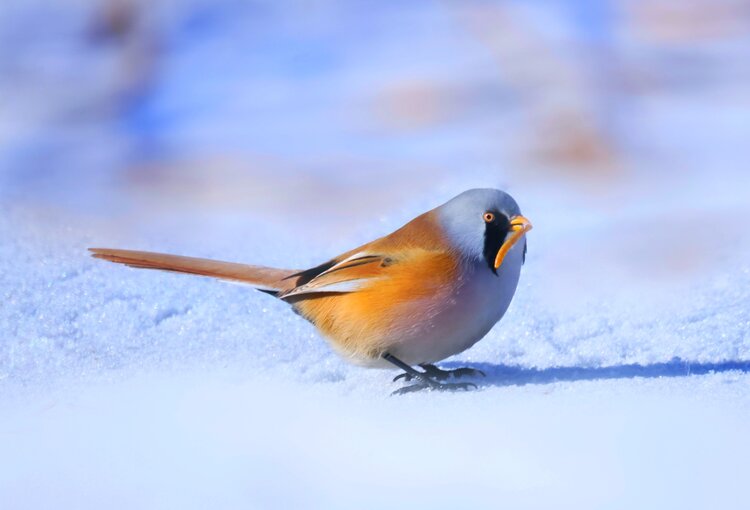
pixel 489 217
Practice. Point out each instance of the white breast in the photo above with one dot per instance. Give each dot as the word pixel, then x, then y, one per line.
pixel 478 301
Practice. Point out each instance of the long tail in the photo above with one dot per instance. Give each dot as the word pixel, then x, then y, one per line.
pixel 263 278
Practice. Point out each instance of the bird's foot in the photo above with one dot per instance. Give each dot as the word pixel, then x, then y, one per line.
pixel 434 386
pixel 438 374
pixel 426 381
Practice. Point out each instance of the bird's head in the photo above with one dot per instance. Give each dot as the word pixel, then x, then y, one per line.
pixel 483 224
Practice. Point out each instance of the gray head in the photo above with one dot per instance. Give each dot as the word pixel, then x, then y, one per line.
pixel 481 223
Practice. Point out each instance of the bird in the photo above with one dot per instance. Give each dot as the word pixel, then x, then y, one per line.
pixel 427 291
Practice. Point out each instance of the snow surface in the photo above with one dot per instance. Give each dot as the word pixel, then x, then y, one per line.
pixel 620 377
pixel 135 389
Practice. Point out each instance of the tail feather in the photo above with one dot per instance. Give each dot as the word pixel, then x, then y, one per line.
pixel 264 278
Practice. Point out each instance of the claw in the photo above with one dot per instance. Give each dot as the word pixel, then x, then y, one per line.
pixel 406 377
pixel 437 387
pixel 469 372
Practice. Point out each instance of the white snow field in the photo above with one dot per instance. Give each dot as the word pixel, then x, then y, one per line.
pixel 611 382
pixel 284 133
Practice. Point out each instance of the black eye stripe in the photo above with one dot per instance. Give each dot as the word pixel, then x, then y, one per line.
pixel 494 236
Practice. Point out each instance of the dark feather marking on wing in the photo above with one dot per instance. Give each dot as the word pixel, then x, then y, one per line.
pixel 306 276
pixel 309 274
pixel 309 296
pixel 356 262
pixel 274 293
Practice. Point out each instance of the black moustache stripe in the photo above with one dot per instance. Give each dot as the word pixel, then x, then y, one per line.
pixel 494 236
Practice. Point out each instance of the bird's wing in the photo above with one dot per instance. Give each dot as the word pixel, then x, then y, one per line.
pixel 347 275
pixel 416 242
pixel 263 278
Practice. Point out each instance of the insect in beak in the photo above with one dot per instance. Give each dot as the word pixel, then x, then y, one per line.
pixel 518 227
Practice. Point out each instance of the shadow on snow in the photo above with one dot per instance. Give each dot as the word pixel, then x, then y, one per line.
pixel 505 375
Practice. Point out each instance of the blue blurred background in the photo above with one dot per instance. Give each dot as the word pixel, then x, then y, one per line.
pixel 119 106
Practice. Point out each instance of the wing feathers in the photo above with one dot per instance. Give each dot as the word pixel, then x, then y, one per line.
pixel 349 275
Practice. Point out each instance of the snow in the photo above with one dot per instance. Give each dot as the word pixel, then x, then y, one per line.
pixel 620 377
pixel 125 388
pixel 198 440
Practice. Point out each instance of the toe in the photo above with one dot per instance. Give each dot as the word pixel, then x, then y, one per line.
pixel 410 389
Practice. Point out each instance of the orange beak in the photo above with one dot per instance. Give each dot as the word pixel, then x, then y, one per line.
pixel 518 227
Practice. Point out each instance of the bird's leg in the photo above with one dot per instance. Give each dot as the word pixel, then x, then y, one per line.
pixel 426 381
pixel 438 374
pixel 413 373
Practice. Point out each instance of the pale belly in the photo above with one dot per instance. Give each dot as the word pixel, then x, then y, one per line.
pixel 432 331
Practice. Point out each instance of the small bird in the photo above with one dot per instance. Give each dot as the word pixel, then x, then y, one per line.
pixel 429 290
